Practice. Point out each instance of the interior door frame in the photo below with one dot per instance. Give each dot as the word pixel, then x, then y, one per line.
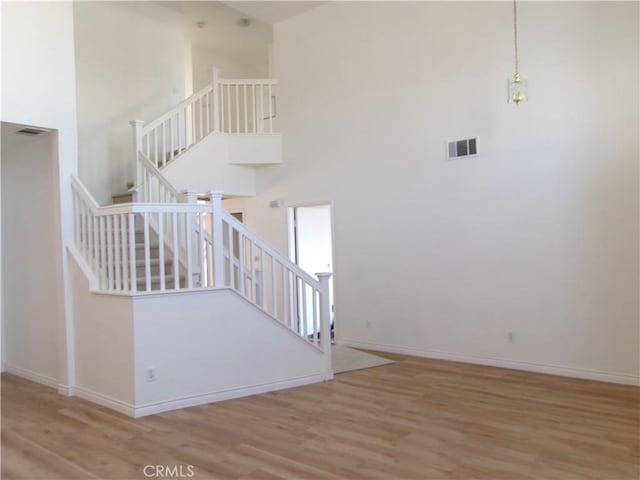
pixel 293 247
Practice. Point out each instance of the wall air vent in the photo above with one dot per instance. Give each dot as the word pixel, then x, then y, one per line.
pixel 30 131
pixel 462 148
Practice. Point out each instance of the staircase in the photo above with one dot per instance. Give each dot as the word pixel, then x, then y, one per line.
pixel 159 275
pixel 214 139
pixel 247 306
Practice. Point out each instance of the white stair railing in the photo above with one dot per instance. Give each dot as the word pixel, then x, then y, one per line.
pixel 271 281
pixel 164 138
pixel 160 247
pixel 139 247
pixel 154 187
pixel 224 106
pixel 247 105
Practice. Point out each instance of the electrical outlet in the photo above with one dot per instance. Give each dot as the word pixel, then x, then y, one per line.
pixel 511 335
pixel 367 323
pixel 151 374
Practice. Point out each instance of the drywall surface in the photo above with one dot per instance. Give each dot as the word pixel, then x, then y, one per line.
pixel 130 59
pixel 538 235
pixel 104 345
pixel 237 64
pixel 206 167
pixel 212 345
pixel 38 89
pixel 32 274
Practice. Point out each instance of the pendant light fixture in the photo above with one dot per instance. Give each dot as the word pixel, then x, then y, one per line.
pixel 518 85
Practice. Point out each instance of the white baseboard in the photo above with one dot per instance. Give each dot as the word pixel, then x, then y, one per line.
pixel 66 390
pixel 33 376
pixel 195 400
pixel 501 363
pixel 104 400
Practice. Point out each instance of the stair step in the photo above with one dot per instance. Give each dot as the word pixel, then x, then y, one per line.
pixel 154 267
pixel 141 282
pixel 124 197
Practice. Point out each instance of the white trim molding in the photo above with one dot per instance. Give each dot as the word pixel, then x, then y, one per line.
pixel 212 397
pixel 33 376
pixel 104 400
pixel 559 370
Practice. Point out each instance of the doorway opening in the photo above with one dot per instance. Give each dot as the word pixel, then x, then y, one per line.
pixel 311 243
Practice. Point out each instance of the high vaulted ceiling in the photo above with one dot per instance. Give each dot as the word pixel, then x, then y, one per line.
pixel 273 12
pixel 221 25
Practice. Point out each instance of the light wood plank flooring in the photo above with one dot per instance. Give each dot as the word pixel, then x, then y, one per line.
pixel 414 419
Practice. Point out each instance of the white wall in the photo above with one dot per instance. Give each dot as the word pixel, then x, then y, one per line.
pixel 231 64
pixel 103 332
pixel 130 62
pixel 38 88
pixel 538 235
pixel 31 246
pixel 213 345
pixel 205 167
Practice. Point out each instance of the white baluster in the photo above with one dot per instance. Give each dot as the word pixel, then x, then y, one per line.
pixel 172 134
pixel 252 263
pixel 96 240
pixel 233 283
pixel 137 142
pixel 316 326
pixel 270 110
pixel 260 124
pixel 244 91
pixel 123 244
pixel 116 248
pixel 274 302
pixel 216 100
pixel 163 150
pixel 325 323
pixel 254 114
pixel 161 249
pixel 103 256
pixel 241 263
pixel 228 95
pixel 263 287
pixel 218 241
pixel 132 252
pixel 176 251
pixel 303 293
pixel 147 251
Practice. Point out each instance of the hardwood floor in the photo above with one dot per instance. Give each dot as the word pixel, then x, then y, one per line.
pixel 414 419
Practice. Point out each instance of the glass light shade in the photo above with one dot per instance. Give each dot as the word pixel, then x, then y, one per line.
pixel 518 89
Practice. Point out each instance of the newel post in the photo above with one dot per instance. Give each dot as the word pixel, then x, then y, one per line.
pixel 137 142
pixel 192 242
pixel 325 322
pixel 216 100
pixel 189 197
pixel 218 242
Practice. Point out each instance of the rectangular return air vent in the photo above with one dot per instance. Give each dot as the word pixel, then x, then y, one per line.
pixel 30 131
pixel 462 148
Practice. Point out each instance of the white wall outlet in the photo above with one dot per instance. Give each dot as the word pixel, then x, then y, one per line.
pixel 151 374
pixel 367 323
pixel 511 335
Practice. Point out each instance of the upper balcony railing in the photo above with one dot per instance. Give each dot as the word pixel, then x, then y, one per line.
pixel 243 106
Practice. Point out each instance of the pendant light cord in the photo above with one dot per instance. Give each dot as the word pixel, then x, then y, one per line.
pixel 515 33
